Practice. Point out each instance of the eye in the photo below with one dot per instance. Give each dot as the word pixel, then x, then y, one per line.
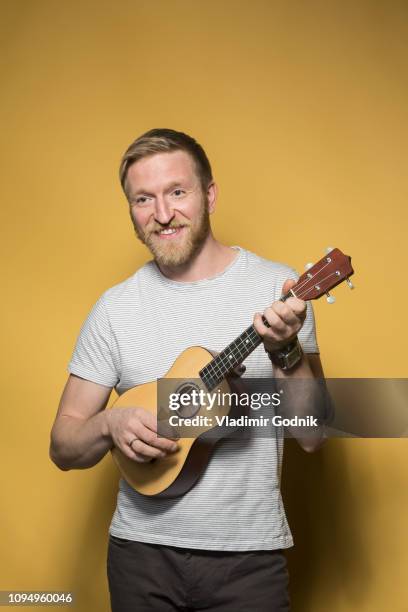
pixel 178 192
pixel 141 200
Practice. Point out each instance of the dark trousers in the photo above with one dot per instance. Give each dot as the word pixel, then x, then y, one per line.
pixel 148 577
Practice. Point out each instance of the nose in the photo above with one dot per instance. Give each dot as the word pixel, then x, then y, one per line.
pixel 163 213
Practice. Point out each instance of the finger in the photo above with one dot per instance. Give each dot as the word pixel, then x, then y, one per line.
pixel 127 450
pixel 239 370
pixel 145 450
pixel 262 329
pixel 274 317
pixel 152 439
pixel 285 313
pixel 149 421
pixel 297 306
pixel 142 458
pixel 259 325
pixel 288 285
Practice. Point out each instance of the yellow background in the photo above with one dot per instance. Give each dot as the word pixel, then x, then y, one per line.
pixel 301 107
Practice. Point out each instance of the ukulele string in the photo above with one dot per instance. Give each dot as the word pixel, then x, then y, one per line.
pixel 313 280
pixel 320 281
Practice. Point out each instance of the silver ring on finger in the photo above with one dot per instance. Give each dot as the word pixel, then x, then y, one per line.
pixel 131 442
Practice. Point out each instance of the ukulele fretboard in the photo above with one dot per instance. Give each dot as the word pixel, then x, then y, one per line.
pixel 234 354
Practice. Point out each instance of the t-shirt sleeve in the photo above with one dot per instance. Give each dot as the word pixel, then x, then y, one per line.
pixel 92 358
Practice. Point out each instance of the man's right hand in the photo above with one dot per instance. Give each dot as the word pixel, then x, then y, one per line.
pixel 134 433
pixel 84 431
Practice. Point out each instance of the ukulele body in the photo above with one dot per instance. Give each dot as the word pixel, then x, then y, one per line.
pixel 176 473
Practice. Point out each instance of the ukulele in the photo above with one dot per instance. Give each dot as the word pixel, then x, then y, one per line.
pixel 176 473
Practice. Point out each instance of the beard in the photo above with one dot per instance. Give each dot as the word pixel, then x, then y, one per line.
pixel 181 250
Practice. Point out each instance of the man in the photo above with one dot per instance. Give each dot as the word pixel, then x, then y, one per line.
pixel 218 547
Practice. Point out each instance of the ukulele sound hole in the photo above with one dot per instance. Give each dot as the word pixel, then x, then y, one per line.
pixel 189 408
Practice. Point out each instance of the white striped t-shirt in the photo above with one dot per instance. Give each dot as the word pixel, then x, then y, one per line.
pixel 133 335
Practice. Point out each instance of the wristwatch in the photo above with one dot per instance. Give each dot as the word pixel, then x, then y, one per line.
pixel 288 356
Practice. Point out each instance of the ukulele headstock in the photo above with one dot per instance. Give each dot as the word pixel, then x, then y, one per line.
pixel 328 272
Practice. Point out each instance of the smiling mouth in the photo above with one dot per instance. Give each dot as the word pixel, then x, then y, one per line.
pixel 169 232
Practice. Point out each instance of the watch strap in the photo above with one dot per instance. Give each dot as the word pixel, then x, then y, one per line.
pixel 287 357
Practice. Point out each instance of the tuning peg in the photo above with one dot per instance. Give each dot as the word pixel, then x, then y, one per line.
pixel 308 266
pixel 330 298
pixel 350 284
pixel 329 249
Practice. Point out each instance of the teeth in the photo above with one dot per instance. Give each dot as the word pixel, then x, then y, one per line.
pixel 168 231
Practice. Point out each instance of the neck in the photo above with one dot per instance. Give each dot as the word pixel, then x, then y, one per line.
pixel 210 260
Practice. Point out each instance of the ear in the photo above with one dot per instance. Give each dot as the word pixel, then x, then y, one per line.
pixel 212 193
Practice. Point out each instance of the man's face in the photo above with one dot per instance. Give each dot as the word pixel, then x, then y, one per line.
pixel 169 211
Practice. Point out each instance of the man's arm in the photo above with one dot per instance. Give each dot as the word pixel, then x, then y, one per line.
pixel 83 431
pixel 305 395
pixel 80 435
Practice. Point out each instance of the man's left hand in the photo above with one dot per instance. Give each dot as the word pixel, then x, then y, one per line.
pixel 285 320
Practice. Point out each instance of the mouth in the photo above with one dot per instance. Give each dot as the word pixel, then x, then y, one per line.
pixel 169 233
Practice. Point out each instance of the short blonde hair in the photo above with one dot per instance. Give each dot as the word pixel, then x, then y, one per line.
pixel 161 140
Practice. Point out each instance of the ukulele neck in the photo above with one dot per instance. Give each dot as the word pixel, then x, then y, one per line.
pixel 234 354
